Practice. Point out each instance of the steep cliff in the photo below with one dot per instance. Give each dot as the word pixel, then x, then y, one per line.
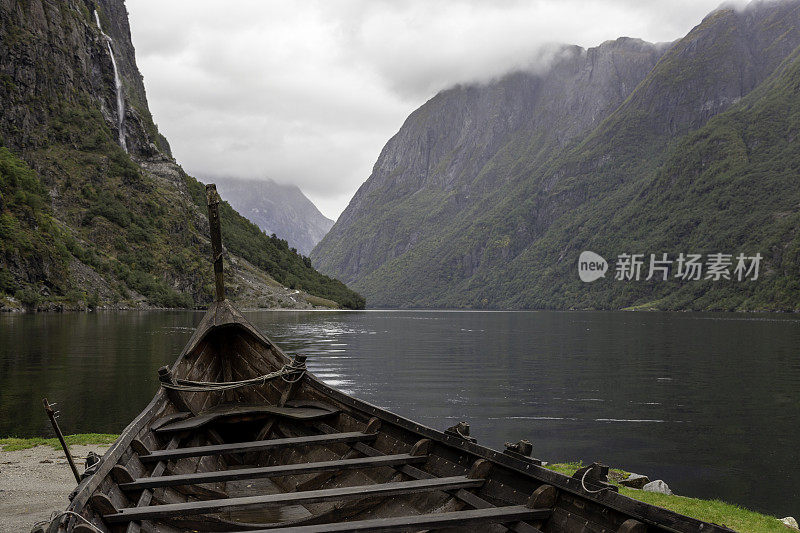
pixel 276 208
pixel 93 209
pixel 507 229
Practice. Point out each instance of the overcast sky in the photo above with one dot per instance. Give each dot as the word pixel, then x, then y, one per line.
pixel 308 92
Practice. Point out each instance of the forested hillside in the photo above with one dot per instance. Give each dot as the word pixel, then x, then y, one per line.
pixel 93 208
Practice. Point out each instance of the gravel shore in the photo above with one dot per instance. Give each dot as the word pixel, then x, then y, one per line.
pixel 35 482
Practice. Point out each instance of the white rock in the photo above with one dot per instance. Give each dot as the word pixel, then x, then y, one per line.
pixel 657 486
pixel 790 521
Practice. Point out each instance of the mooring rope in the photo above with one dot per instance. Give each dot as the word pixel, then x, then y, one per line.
pixel 59 514
pixel 583 484
pixel 293 368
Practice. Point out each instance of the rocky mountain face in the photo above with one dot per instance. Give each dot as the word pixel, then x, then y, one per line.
pixel 488 193
pixel 93 208
pixel 276 208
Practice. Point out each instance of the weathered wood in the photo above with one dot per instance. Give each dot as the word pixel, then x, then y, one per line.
pixel 212 200
pixel 102 504
pixel 415 473
pixel 239 411
pixel 632 526
pixel 480 470
pixel 421 447
pixel 139 447
pixel 293 498
pixel 373 426
pixel 201 492
pixel 52 416
pixel 472 517
pixel 287 393
pixel 121 474
pixel 147 496
pixel 174 417
pixel 240 447
pixel 272 471
pixel 216 438
pixel 543 497
pixel 318 480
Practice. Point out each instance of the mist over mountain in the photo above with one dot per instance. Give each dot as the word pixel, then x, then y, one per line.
pixel 93 208
pixel 488 193
pixel 277 208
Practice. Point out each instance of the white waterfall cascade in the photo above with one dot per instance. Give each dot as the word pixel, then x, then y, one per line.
pixel 118 86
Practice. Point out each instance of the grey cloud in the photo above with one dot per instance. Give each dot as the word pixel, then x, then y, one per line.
pixel 308 92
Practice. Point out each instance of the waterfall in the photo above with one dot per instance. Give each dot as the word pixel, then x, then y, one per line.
pixel 117 85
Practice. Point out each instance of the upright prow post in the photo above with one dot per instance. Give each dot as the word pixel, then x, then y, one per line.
pixel 212 199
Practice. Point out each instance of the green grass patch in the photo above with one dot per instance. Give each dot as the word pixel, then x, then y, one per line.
pixel 321 302
pixel 10 444
pixel 714 511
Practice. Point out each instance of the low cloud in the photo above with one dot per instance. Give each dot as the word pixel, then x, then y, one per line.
pixel 309 92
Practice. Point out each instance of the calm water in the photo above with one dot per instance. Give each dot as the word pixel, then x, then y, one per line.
pixel 710 403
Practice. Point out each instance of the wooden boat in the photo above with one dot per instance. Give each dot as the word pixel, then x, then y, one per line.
pixel 242 438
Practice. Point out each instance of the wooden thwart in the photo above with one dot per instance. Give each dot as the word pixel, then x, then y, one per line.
pixel 293 498
pixel 415 473
pixel 258 445
pixel 272 471
pixel 473 517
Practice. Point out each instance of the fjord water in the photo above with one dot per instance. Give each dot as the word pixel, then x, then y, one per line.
pixel 707 402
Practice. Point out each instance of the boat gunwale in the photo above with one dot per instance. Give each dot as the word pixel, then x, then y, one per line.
pixel 608 498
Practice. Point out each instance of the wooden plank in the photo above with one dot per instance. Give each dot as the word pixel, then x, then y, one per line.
pixel 293 498
pixel 271 471
pixel 464 495
pixel 472 517
pixel 237 410
pixel 258 445
pixel 164 420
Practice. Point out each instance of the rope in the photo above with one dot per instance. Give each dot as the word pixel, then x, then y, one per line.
pixel 289 369
pixel 58 514
pixel 583 484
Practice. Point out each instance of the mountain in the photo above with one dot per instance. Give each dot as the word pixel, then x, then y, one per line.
pixel 275 208
pixel 488 194
pixel 93 208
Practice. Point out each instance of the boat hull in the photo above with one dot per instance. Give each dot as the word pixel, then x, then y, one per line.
pixel 290 453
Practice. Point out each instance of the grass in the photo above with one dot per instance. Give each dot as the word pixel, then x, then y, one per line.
pixel 714 511
pixel 321 302
pixel 10 444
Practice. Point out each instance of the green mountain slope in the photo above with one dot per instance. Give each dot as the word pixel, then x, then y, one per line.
pixel 83 221
pixel 627 184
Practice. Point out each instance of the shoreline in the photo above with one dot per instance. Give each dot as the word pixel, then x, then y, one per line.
pixel 60 308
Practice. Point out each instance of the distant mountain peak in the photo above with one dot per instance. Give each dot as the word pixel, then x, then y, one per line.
pixel 277 208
